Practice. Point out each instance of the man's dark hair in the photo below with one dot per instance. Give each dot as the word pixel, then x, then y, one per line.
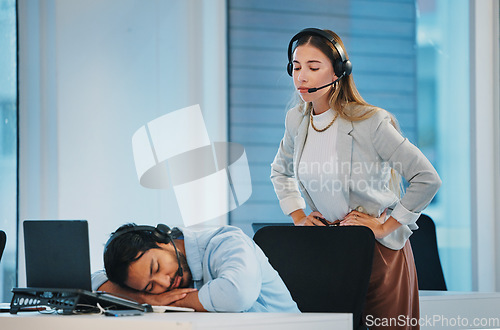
pixel 123 250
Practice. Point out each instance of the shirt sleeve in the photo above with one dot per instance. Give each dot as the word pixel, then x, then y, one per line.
pixel 411 163
pixel 98 279
pixel 235 273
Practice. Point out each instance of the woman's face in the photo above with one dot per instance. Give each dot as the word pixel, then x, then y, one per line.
pixel 312 68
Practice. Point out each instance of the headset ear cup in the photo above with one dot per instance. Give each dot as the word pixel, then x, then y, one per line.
pixel 162 232
pixel 289 69
pixel 338 68
pixel 347 67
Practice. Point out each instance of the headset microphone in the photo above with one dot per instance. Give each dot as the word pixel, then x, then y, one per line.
pixel 312 90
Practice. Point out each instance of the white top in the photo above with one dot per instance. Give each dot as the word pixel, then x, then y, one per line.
pixel 319 168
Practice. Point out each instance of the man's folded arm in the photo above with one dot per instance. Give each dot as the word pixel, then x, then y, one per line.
pixel 100 282
pixel 119 291
pixel 236 273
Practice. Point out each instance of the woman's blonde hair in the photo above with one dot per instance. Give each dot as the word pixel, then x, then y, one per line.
pixel 344 96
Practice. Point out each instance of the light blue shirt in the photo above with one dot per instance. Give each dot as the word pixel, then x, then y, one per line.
pixel 231 273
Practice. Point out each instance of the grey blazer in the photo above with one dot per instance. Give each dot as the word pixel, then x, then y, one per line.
pixel 366 152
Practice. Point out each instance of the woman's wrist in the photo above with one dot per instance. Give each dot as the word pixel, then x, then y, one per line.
pixel 389 226
pixel 298 216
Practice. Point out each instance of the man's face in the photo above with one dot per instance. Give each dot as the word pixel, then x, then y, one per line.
pixel 156 271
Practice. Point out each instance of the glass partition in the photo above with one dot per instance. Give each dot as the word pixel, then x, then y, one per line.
pixel 444 128
pixel 8 145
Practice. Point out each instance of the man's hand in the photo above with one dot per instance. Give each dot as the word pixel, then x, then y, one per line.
pixel 163 299
pixel 166 298
pixel 191 300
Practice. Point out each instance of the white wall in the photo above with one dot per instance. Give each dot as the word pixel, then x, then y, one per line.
pixel 91 73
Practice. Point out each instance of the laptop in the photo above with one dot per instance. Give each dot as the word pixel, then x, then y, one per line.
pixel 58 270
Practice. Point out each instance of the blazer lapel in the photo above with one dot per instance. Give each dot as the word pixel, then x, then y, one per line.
pixel 344 153
pixel 299 142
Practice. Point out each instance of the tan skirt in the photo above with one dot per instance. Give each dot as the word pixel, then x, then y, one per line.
pixel 392 298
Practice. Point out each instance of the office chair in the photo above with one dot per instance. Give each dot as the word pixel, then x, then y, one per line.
pixel 3 241
pixel 425 252
pixel 326 269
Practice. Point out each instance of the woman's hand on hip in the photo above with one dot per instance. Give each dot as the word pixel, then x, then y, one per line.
pixel 313 219
pixel 355 218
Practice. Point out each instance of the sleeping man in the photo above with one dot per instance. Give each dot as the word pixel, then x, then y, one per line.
pixel 216 270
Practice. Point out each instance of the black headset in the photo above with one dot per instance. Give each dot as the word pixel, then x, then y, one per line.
pixel 342 66
pixel 162 232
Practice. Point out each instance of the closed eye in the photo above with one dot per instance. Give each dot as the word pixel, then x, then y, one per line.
pixel 155 272
pixel 150 286
pixel 297 68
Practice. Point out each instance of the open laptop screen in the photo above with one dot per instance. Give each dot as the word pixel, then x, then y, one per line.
pixel 57 254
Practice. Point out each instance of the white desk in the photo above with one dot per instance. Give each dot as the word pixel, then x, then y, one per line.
pixel 466 310
pixel 177 321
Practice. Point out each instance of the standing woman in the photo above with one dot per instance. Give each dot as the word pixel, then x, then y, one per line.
pixel 345 157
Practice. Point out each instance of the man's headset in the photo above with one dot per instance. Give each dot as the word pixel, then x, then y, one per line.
pixel 342 66
pixel 161 232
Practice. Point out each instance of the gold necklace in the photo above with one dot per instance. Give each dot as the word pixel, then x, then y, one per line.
pixel 327 127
